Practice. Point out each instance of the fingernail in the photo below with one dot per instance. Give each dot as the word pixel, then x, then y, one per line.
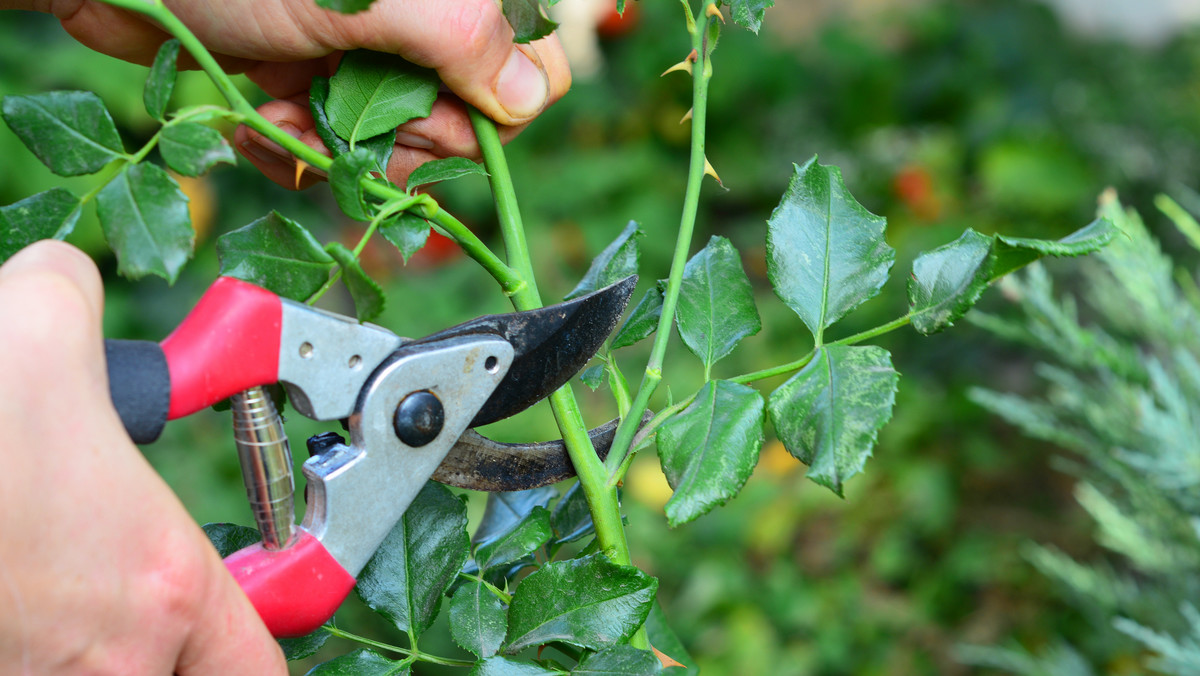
pixel 413 141
pixel 522 88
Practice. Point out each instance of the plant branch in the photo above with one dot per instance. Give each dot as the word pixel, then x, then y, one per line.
pixel 415 654
pixel 701 75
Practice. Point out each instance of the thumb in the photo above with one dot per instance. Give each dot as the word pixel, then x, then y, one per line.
pixel 469 43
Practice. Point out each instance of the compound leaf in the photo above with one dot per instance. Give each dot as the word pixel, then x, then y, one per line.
pixel 947 281
pixel 160 82
pixel 445 169
pixel 642 321
pixel 192 149
pixel 418 560
pixel 47 215
pixel 716 303
pixel 527 19
pixel 503 666
pixel 829 413
pixel 617 261
pixel 619 660
pixel 749 13
pixel 826 254
pixel 346 6
pixel 478 620
pixel 277 254
pixel 70 132
pixel 709 449
pixel 361 662
pixel 345 180
pixel 525 538
pixel 373 93
pixel 367 295
pixel 407 231
pixel 145 219
pixel 607 604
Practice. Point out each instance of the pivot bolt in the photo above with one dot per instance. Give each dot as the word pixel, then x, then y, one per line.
pixel 419 418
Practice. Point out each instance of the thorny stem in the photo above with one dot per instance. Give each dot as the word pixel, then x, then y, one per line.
pixel 602 499
pixel 425 206
pixel 415 654
pixel 701 74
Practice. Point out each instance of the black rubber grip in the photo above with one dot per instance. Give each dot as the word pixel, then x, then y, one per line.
pixel 140 385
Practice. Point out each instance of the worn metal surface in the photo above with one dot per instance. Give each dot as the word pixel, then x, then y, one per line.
pixel 550 344
pixel 480 464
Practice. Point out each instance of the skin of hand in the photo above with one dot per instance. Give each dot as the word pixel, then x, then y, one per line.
pixel 282 44
pixel 102 571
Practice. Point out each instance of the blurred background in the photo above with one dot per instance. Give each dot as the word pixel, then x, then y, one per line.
pixel 999 115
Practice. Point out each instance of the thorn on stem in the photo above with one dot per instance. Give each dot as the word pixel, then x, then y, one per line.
pixel 712 11
pixel 301 165
pixel 709 171
pixel 682 65
pixel 686 116
pixel 666 660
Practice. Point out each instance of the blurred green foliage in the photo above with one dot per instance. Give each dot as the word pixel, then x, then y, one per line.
pixel 948 115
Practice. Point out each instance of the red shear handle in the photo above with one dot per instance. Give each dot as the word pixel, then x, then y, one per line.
pixel 296 589
pixel 229 343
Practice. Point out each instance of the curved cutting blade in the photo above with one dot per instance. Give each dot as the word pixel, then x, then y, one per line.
pixel 550 344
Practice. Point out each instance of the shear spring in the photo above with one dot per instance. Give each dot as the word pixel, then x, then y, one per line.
pixel 266 460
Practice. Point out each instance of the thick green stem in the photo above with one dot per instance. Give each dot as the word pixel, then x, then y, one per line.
pixel 701 74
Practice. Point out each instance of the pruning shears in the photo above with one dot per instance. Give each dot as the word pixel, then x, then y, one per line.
pixel 408 406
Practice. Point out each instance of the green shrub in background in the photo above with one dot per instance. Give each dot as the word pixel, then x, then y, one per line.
pixel 1122 392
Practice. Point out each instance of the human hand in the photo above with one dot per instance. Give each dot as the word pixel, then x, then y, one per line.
pixel 282 44
pixel 102 571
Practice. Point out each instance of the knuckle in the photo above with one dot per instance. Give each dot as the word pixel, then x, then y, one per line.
pixel 476 26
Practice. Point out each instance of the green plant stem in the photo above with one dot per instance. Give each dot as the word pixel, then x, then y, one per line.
pixel 602 499
pixel 499 593
pixel 508 279
pixel 701 74
pixel 415 654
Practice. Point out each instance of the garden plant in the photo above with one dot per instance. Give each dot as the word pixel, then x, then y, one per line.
pixel 549 568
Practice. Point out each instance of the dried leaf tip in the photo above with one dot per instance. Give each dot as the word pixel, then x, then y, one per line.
pixel 667 660
pixel 686 116
pixel 712 11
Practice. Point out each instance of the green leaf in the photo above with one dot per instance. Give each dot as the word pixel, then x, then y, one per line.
pixel 709 449
pixel 361 662
pixel 749 13
pixel 593 376
pixel 417 562
pixel 228 538
pixel 826 254
pixel 145 219
pixel 665 641
pixel 277 254
pixel 368 296
pixel 407 231
pixel 619 660
pixel 346 6
pixel 46 215
pixel 527 19
pixel 445 169
pixel 572 519
pixel 345 179
pixel 1011 253
pixel 503 666
pixel 829 413
pixel 192 149
pixel 160 82
pixel 303 646
pixel 606 604
pixel 643 321
pixel 478 620
pixel 70 132
pixel 618 261
pixel 947 281
pixel 506 511
pixel 380 146
pixel 373 93
pixel 716 303
pixel 531 533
